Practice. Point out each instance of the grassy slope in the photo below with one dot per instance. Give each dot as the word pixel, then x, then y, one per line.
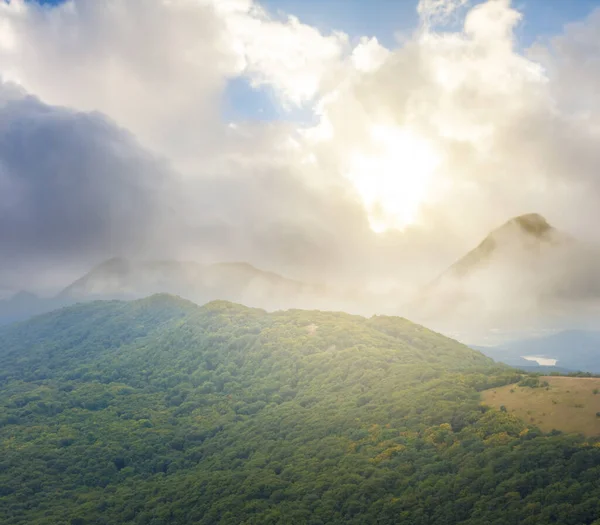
pixel 569 404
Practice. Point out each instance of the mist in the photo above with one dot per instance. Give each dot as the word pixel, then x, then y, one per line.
pixel 525 277
pixel 126 153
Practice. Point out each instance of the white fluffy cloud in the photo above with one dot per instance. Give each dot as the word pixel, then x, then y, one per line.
pixel 293 58
pixel 454 130
pixel 158 68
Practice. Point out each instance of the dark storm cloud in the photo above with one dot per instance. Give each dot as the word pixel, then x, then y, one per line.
pixel 76 189
pixel 72 185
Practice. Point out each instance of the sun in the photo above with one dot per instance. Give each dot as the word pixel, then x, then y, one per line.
pixel 393 176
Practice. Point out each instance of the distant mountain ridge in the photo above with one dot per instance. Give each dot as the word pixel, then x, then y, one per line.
pixel 120 278
pixel 125 278
pixel 24 304
pixel 574 350
pixel 523 276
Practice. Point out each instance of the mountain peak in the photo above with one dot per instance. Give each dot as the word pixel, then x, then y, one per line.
pixel 532 223
pixel 509 256
pixel 114 264
pixel 529 229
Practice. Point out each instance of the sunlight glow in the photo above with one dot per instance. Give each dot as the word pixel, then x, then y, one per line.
pixel 393 178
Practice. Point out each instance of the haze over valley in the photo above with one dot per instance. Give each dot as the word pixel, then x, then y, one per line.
pixel 524 279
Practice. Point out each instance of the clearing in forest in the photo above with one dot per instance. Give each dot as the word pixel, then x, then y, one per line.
pixel 570 404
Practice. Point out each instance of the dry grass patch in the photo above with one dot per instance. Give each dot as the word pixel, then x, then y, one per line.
pixel 570 404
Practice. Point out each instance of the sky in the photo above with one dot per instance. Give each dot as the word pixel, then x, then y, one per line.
pixel 363 142
pixel 389 22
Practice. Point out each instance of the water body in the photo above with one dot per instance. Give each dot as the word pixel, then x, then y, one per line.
pixel 542 361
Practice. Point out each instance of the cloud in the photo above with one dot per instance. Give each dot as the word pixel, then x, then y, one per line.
pixel 292 58
pixel 155 68
pixel 508 140
pixel 511 132
pixel 73 187
pixel 159 68
pixel 434 12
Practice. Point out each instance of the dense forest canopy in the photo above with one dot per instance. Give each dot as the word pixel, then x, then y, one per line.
pixel 160 411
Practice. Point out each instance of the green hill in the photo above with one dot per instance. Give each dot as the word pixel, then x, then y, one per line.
pixel 159 411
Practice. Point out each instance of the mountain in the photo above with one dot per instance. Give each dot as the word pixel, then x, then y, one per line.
pixel 577 350
pixel 24 304
pixel 524 275
pixel 529 233
pixel 159 411
pixel 120 278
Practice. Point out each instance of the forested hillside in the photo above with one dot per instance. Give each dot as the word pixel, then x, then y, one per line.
pixel 159 411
